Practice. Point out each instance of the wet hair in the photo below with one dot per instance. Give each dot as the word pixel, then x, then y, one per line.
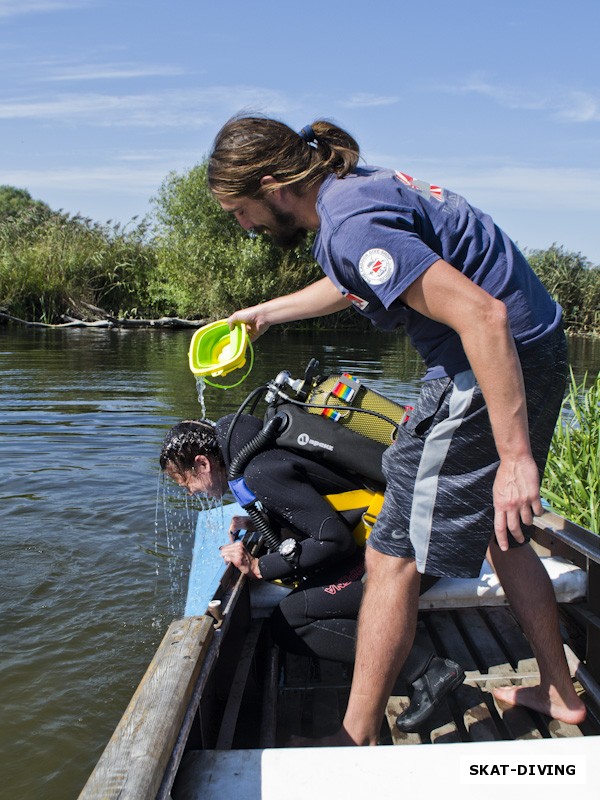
pixel 248 148
pixel 189 439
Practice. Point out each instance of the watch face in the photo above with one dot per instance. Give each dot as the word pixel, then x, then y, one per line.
pixel 287 547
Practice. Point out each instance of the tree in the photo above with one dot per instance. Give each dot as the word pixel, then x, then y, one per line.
pixel 208 265
pixel 573 282
pixel 14 201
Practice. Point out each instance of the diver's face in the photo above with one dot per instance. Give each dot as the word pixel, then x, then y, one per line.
pixel 202 478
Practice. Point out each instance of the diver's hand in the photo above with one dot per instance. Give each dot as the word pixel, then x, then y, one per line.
pixel 255 319
pixel 238 524
pixel 237 554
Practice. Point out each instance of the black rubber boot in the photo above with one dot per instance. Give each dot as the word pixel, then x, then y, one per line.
pixel 442 676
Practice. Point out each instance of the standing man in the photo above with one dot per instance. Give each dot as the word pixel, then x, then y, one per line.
pixel 463 477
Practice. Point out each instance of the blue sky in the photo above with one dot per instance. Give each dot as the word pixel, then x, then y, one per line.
pixel 101 99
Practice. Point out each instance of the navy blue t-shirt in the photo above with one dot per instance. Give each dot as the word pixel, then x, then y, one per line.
pixel 380 230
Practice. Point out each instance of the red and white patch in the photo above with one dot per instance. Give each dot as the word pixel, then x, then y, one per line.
pixel 376 266
pixel 357 301
pixel 428 190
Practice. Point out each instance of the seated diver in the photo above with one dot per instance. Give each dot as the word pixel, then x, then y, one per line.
pixel 319 618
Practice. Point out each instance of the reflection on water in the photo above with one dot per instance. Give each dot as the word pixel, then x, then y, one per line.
pixel 93 568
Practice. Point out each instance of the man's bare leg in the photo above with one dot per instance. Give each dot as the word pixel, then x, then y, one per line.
pixel 531 596
pixel 386 629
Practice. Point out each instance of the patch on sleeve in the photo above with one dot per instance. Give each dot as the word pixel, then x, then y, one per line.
pixel 357 301
pixel 428 190
pixel 376 266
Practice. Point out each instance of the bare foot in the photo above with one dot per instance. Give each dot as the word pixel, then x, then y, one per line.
pixel 545 702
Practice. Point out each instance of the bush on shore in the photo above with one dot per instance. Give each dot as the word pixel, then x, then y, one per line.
pixel 206 264
pixel 574 282
pixel 53 264
pixel 191 260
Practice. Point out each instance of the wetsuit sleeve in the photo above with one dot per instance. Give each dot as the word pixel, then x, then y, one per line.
pixel 291 488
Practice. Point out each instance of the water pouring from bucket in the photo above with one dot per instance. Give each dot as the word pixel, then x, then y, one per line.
pixel 216 350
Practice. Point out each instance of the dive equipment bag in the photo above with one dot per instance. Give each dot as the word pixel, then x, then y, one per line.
pixel 318 437
pixel 339 420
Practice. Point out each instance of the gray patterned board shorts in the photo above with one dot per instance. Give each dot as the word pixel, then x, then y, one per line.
pixel 440 472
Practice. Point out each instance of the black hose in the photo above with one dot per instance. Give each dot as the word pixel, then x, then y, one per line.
pixel 263 438
pixel 252 396
pixel 261 526
pixel 236 470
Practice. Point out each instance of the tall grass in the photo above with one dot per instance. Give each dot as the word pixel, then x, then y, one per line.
pixel 572 478
pixel 53 264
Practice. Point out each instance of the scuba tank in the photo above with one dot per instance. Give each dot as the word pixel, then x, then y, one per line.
pixel 342 398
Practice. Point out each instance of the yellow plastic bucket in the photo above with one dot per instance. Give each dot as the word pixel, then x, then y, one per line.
pixel 216 350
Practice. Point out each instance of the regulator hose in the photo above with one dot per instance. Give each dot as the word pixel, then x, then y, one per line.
pixel 236 470
pixel 261 525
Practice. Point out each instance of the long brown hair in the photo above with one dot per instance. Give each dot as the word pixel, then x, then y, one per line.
pixel 247 148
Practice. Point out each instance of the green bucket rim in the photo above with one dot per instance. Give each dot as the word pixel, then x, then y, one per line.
pixel 206 348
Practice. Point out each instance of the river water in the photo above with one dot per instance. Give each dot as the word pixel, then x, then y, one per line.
pixel 94 544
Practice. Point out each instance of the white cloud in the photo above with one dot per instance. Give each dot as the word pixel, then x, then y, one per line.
pixel 579 107
pixel 129 180
pixel 366 100
pixel 524 186
pixel 13 8
pixel 183 108
pixel 570 105
pixel 94 72
pixel 485 181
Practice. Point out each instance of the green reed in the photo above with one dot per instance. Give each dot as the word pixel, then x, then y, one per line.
pixel 572 478
pixel 53 264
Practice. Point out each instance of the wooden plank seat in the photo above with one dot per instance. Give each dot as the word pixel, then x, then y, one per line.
pixel 492 649
pixel 466 620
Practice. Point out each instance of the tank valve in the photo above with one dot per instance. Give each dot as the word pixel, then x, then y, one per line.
pixel 281 381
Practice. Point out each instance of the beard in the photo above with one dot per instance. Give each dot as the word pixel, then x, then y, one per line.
pixel 285 231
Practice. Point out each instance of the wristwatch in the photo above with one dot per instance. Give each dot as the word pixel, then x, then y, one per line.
pixel 290 550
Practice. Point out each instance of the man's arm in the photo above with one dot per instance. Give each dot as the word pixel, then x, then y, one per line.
pixel 315 300
pixel 445 295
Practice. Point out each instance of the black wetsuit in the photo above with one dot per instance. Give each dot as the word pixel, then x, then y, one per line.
pixel 320 616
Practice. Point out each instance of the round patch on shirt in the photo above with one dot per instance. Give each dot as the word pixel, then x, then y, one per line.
pixel 376 266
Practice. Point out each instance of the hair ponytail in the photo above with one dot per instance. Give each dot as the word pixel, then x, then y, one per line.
pixel 338 150
pixel 247 148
